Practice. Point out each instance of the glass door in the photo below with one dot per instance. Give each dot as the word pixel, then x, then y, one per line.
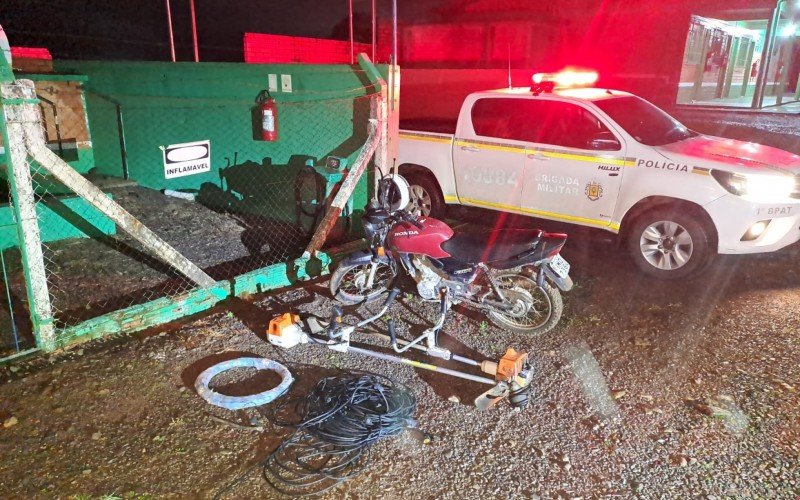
pixel 718 63
pixel 784 67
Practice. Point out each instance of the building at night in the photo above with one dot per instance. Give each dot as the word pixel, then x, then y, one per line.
pixel 737 53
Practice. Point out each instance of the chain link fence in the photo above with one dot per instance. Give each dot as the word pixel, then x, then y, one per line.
pixel 113 238
pixel 63 117
pixel 15 332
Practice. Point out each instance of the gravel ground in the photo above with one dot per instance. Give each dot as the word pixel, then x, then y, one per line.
pixel 649 389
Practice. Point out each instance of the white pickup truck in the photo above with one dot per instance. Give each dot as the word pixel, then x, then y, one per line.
pixel 611 160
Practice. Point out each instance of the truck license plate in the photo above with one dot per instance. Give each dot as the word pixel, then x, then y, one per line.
pixel 560 266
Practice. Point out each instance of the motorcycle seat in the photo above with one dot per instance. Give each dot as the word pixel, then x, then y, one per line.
pixel 493 245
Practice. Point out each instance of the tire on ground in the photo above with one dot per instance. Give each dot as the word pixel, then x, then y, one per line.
pixel 556 310
pixel 350 299
pixel 701 235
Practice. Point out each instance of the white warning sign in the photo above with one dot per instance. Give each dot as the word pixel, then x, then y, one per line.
pixel 187 159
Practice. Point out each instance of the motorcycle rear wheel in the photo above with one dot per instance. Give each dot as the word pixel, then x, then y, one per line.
pixel 349 282
pixel 537 309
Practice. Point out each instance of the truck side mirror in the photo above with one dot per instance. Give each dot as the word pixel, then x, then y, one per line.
pixel 603 141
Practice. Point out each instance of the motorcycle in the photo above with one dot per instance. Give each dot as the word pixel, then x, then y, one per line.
pixel 514 276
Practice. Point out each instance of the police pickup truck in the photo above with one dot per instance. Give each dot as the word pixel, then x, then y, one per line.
pixel 610 160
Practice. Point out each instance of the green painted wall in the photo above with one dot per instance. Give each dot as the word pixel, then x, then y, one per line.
pixel 59 218
pixel 81 159
pixel 171 103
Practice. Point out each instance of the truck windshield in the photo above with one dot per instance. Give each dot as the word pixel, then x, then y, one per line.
pixel 643 121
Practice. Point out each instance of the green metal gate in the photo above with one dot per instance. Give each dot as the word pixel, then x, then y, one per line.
pixel 55 217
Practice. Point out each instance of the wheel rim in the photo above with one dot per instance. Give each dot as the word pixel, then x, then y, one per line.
pixel 354 281
pixel 532 306
pixel 666 245
pixel 419 200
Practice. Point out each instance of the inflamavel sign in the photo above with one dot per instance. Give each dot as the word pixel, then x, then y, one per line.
pixel 187 159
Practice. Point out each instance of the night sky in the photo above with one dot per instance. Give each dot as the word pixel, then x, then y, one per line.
pixel 137 29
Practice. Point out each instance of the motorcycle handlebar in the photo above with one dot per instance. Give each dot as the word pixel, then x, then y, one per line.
pixel 401 216
pixel 408 217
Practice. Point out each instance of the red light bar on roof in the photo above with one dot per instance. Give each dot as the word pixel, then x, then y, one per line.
pixel 564 79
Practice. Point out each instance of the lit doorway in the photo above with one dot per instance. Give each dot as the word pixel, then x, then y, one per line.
pixel 784 68
pixel 745 63
pixel 720 63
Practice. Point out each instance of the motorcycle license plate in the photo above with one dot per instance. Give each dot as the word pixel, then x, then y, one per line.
pixel 560 266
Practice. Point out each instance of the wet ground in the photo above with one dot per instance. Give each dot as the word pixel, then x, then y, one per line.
pixel 773 129
pixel 646 388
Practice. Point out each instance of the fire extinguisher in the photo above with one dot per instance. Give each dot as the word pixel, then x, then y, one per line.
pixel 269 117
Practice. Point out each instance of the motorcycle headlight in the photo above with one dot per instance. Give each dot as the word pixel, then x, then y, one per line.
pixel 756 187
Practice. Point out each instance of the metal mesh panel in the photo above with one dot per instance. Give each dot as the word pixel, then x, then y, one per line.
pixel 15 329
pixel 93 243
pixel 255 213
pixel 91 267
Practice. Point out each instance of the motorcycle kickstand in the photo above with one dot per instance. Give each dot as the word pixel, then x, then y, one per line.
pixel 434 349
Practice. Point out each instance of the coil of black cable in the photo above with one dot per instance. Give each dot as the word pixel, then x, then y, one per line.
pixel 339 419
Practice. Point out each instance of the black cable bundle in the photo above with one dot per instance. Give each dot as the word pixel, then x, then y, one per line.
pixel 339 419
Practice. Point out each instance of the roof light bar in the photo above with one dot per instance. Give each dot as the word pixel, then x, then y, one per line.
pixel 545 82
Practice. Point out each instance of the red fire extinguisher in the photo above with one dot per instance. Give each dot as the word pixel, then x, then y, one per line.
pixel 269 118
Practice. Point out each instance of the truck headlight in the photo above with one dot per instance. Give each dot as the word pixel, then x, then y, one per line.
pixel 756 187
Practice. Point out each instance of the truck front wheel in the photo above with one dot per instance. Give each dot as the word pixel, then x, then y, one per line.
pixel 667 244
pixel 425 197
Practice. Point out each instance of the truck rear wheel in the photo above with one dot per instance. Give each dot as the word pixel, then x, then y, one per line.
pixel 425 197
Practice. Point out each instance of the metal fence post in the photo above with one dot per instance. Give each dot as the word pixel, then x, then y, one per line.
pixel 377 128
pixel 13 99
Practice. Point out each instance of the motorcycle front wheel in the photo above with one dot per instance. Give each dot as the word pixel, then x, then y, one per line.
pixel 535 309
pixel 350 284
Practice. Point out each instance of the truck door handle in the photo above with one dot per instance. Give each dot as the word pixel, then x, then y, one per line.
pixel 538 156
pixel 472 149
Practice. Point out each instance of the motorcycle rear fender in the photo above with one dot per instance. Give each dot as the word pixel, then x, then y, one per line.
pixel 550 244
pixel 565 284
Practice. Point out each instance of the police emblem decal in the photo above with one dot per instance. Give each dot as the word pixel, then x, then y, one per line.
pixel 594 191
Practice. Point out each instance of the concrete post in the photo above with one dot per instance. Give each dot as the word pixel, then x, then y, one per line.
pixel 14 98
pixel 697 89
pixel 748 63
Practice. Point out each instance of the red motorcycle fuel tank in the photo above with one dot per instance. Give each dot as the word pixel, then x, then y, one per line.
pixel 427 240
